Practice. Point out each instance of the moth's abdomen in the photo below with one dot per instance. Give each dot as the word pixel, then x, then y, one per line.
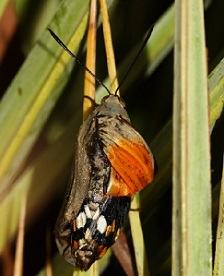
pixel 94 230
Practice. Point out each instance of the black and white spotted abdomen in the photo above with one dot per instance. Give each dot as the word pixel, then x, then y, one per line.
pixel 96 228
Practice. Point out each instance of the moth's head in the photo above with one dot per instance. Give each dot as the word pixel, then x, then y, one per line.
pixel 113 101
pixel 113 105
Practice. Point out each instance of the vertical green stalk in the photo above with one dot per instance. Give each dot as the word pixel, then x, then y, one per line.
pixel 191 156
pixel 219 250
pixel 138 239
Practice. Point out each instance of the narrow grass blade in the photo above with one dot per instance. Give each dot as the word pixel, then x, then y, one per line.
pixel 18 266
pixel 219 248
pixel 191 241
pixel 111 65
pixel 216 84
pixel 138 239
pixel 48 265
pixel 89 82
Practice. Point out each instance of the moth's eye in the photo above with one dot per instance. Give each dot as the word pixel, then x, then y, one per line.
pixel 105 98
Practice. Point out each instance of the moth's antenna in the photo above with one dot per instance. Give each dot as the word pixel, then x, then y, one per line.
pixel 148 34
pixel 58 40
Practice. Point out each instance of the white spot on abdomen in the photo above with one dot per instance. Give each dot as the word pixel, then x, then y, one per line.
pixel 81 220
pixel 101 224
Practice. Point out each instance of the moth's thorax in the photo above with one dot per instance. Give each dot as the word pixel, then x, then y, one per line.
pixel 112 105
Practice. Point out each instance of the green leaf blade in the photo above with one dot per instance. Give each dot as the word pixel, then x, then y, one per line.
pixel 191 161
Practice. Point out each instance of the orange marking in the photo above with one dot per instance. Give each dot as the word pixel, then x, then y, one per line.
pixel 108 231
pixel 132 168
pixel 113 225
pixel 111 228
pixel 74 226
pixel 75 245
pixel 101 250
pixel 118 233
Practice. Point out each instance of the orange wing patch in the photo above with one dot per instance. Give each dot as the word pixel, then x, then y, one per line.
pixel 132 167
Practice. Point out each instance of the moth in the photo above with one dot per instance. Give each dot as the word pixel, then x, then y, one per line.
pixel 112 163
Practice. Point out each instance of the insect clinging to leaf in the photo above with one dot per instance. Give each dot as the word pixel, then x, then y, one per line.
pixel 112 163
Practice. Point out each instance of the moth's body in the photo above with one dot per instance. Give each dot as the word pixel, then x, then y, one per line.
pixel 112 163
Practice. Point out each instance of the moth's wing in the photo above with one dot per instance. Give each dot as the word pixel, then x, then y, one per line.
pixel 80 179
pixel 132 164
pixel 79 184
